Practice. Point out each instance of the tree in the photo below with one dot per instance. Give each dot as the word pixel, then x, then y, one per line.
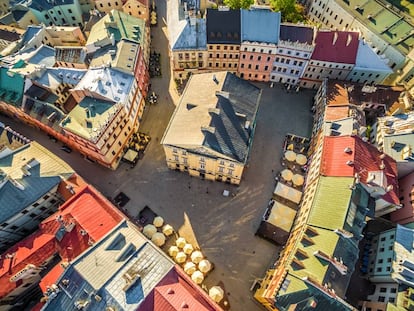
pixel 290 10
pixel 238 4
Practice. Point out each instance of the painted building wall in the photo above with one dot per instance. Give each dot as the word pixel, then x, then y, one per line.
pixel 137 9
pixel 223 57
pixel 106 6
pixel 203 166
pixel 290 62
pixel 256 61
pixel 381 257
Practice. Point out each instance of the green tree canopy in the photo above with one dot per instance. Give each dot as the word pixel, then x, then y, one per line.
pixel 290 10
pixel 238 4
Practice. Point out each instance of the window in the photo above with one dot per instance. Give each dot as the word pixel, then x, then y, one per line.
pixel 393 290
pixel 231 172
pixel 175 157
pixel 32 215
pixel 69 11
pixel 381 298
pixel 383 290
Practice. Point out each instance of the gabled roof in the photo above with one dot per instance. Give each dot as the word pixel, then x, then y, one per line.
pixel 253 23
pixel 176 292
pixel 296 33
pixel 182 35
pixel 215 117
pixel 44 5
pixel 361 158
pixel 35 249
pixel 31 32
pixel 88 117
pixel 52 78
pixel 62 233
pixel 223 27
pixel 336 47
pixel 89 210
pixel 345 93
pixel 109 83
pixel 330 202
pixel 122 268
pixel 21 189
pixel 367 58
pixel 119 25
pixel 13 200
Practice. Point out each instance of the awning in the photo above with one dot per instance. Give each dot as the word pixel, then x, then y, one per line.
pixel 282 216
pixel 288 193
pixel 131 155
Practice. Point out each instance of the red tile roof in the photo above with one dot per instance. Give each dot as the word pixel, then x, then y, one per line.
pixel 365 158
pixel 92 216
pixel 336 47
pixel 51 277
pixel 178 292
pixel 35 249
pixel 89 210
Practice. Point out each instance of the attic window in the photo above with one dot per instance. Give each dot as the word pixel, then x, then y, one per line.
pixel 212 34
pixel 229 35
pixel 297 265
pixel 219 35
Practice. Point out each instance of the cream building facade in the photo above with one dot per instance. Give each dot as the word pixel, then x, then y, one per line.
pixel 211 131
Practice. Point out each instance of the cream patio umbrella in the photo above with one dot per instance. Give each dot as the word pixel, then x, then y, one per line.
pixel 190 268
pixel 298 179
pixel 204 266
pixel 158 221
pixel 180 242
pixel 188 248
pixel 216 293
pixel 167 230
pixel 286 174
pixel 197 277
pixel 301 159
pixel 149 231
pixel 158 239
pixel 290 155
pixel 196 257
pixel 180 257
pixel 173 250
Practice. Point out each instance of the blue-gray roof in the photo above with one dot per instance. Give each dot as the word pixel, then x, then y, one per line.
pixel 122 269
pixel 31 32
pixel 43 5
pixel 231 137
pixel 44 55
pixel 405 237
pixel 191 37
pixel 13 200
pixel 260 25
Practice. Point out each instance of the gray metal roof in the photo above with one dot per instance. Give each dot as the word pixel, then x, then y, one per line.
pixel 215 118
pixel 13 200
pixel 122 269
pixel 253 23
pixel 223 26
pixel 182 35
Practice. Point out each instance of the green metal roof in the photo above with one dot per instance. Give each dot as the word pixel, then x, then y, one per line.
pixel 89 117
pixel 325 241
pixel 119 24
pixel 331 202
pixel 382 20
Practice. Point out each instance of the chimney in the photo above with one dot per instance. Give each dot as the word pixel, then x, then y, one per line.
pixel 335 37
pixel 349 39
pixel 215 79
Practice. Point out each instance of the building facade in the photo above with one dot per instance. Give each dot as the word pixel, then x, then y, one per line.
pixel 195 140
pixel 258 48
pixel 292 53
pixel 223 39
